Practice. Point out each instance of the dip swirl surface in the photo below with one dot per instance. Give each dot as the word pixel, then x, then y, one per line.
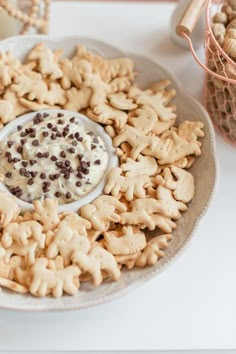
pixel 52 156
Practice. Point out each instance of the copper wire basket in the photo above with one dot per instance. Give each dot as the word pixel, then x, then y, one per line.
pixel 220 69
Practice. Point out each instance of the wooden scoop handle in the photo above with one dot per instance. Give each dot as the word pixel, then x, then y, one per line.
pixel 190 17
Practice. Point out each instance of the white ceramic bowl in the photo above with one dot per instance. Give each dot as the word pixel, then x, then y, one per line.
pixel 205 172
pixel 89 125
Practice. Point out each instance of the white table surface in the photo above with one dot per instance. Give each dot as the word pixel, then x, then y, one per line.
pixel 192 305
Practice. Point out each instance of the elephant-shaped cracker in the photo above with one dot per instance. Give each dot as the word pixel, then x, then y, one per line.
pixel 66 240
pixel 130 186
pixel 102 211
pixel 159 103
pixel 97 260
pixel 9 209
pixel 153 250
pixel 21 233
pixel 45 281
pixel 146 165
pixel 46 213
pixel 47 61
pixel 130 240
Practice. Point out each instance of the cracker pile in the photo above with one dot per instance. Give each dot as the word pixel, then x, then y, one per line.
pixel 43 252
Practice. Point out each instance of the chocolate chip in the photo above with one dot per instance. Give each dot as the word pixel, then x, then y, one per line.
pixel 97 162
pixel 70 169
pixel 33 162
pixel 57 194
pixel 10 143
pixel 19 149
pixel 93 146
pixel 54 158
pixel 33 173
pixel 74 143
pixel 59 164
pixel 42 175
pixel 53 136
pixel 56 175
pixel 28 130
pixel 8 175
pixel 19 127
pixel 60 121
pixel 24 163
pixel 30 181
pixel 67 176
pixel 23 141
pixel 95 141
pixel 27 174
pixel 45 134
pixel 22 171
pixel 54 129
pixel 46 155
pixel 80 156
pixel 87 182
pixel 39 155
pixel 51 177
pixel 49 125
pixel 79 175
pixel 90 133
pixel 83 164
pixel 22 134
pixel 15 160
pixel 78 184
pixel 72 150
pixel 80 139
pixel 64 133
pixel 45 115
pixel 64 170
pixel 85 171
pixel 68 195
pixel 60 115
pixel 38 115
pixel 63 154
pixel 9 159
pixel 67 163
pixel 59 135
pixel 8 154
pixel 32 135
pixel 71 136
pixel 72 120
pixel 35 142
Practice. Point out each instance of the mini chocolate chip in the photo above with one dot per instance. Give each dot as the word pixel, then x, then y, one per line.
pixel 87 182
pixel 67 126
pixel 22 134
pixel 79 175
pixel 8 174
pixel 68 195
pixel 64 133
pixel 74 143
pixel 59 164
pixel 22 171
pixel 54 129
pixel 24 163
pixel 56 175
pixel 80 138
pixel 51 177
pixel 32 135
pixel 60 121
pixel 64 170
pixel 53 158
pixel 33 173
pixel 33 162
pixel 28 130
pixel 78 184
pixel 72 150
pixel 67 163
pixel 90 133
pixel 45 115
pixel 72 120
pixel 71 136
pixel 42 175
pixel 95 141
pixel 63 154
pixel 83 164
pixel 60 115
pixel 9 159
pixel 38 115
pixel 80 156
pixel 27 174
pixel 8 154
pixel 18 194
pixel 70 169
pixel 35 142
pixel 59 135
pixel 10 143
pixel 85 171
pixel 77 134
pixel 23 141
pixel 57 194
pixel 39 155
pixel 46 155
pixel 49 125
pixel 19 127
pixel 15 160
pixel 97 162
pixel 19 149
pixel 30 181
pixel 88 163
pixel 93 146
pixel 45 134
pixel 67 176
pixel 53 136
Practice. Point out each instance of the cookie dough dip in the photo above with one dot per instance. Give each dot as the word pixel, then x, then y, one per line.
pixel 52 156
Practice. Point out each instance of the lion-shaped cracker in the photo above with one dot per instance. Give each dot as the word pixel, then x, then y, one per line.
pixel 21 233
pixel 106 114
pixel 46 213
pixel 130 240
pixel 66 240
pixel 47 61
pixel 153 250
pixel 146 165
pixel 9 209
pixel 130 186
pixel 97 260
pixel 102 211
pixel 47 281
